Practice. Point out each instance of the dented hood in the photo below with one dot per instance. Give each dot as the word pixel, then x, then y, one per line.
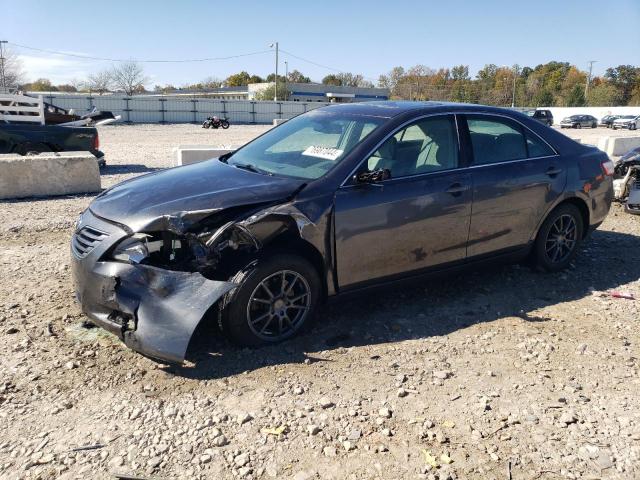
pixel 204 187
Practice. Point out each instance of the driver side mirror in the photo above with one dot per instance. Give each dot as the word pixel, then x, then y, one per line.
pixel 374 176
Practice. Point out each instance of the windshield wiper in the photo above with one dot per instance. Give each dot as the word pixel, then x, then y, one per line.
pixel 251 168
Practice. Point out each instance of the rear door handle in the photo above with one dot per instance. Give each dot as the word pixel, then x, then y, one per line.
pixel 551 171
pixel 456 189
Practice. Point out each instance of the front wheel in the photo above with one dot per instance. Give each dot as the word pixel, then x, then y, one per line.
pixel 578 125
pixel 276 298
pixel 205 124
pixel 633 126
pixel 594 125
pixel 558 239
pixel 224 124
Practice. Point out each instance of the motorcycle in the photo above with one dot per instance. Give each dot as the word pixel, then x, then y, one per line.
pixel 626 183
pixel 215 122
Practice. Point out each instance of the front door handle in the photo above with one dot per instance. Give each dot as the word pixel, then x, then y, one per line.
pixel 456 189
pixel 552 171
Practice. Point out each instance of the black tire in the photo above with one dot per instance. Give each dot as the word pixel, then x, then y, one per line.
pixel 549 239
pixel 594 125
pixel 205 124
pixel 578 125
pixel 632 126
pixel 30 148
pixel 239 320
pixel 224 124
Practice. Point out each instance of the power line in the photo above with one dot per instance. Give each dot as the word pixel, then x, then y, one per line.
pixel 90 57
pixel 321 65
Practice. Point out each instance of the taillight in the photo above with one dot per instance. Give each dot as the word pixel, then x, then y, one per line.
pixel 96 142
pixel 607 167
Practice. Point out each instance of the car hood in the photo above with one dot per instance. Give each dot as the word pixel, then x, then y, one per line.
pixel 193 192
pixel 623 120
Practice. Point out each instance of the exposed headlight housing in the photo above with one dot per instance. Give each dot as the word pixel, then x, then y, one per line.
pixel 133 249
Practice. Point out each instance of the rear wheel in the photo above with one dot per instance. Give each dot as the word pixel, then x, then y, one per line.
pixel 275 300
pixel 559 238
pixel 224 124
pixel 594 125
pixel 578 125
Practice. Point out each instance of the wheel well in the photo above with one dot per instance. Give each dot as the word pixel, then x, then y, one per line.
pixel 292 244
pixel 584 212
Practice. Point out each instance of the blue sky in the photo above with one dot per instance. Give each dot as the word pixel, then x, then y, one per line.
pixel 359 36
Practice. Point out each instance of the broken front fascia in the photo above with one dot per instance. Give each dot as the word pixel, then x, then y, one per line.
pixel 156 310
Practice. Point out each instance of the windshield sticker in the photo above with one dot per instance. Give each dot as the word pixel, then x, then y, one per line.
pixel 327 153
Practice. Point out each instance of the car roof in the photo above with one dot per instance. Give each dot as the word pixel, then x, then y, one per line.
pixel 389 109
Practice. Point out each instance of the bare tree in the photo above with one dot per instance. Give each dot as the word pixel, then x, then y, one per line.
pixel 129 77
pixel 98 82
pixel 13 73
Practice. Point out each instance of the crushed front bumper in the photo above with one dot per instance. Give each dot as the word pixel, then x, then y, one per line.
pixel 154 311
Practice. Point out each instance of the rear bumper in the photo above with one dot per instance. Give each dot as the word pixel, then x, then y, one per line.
pixel 152 310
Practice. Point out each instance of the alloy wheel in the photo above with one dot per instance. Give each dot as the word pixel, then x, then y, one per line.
pixel 561 239
pixel 279 305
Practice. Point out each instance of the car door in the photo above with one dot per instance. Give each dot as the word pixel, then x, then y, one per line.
pixel 516 178
pixel 416 219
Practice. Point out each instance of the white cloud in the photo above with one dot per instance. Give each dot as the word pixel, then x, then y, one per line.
pixel 57 68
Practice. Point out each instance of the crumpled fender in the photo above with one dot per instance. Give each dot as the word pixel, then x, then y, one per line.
pixel 166 306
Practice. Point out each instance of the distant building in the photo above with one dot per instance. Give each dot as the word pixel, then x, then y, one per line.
pixel 318 92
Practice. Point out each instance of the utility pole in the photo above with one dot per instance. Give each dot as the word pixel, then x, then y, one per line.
pixel 286 78
pixel 513 93
pixel 586 87
pixel 3 78
pixel 275 80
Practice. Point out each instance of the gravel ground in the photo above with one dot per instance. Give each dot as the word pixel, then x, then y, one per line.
pixel 494 374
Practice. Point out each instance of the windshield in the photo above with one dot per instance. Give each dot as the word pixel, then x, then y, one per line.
pixel 627 116
pixel 307 146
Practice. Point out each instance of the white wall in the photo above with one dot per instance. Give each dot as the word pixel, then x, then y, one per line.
pixel 561 112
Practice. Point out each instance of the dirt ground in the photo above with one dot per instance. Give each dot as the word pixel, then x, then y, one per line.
pixel 502 373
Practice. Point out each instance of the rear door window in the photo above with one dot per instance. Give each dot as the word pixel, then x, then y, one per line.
pixel 497 140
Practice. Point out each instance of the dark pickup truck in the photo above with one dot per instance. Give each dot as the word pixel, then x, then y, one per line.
pixel 25 138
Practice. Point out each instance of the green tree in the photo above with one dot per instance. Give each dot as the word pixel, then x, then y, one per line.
pixel 268 93
pixel 297 77
pixel 604 95
pixel 460 72
pixel 40 85
pixel 332 79
pixel 544 98
pixel 626 78
pixel 240 79
pixel 576 97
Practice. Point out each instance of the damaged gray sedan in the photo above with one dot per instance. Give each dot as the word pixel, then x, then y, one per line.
pixel 338 199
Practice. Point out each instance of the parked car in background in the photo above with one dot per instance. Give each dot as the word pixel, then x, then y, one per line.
pixel 543 116
pixel 24 138
pixel 579 121
pixel 335 200
pixel 607 120
pixel 626 121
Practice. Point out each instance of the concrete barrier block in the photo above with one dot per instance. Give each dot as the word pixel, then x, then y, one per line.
pixel 188 154
pixel 617 146
pixel 48 174
pixel 278 121
pixel 603 143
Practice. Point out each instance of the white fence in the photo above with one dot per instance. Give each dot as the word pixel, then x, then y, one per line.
pixel 18 108
pixel 155 109
pixel 167 109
